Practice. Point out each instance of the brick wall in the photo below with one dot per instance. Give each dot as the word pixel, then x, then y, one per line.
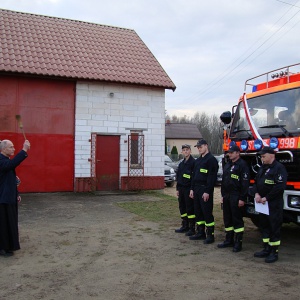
pixel 115 109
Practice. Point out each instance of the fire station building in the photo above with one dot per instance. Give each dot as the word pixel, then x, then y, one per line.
pixel 92 103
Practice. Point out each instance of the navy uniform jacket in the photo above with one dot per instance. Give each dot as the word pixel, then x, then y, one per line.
pixel 185 173
pixel 8 186
pixel 270 181
pixel 235 179
pixel 205 173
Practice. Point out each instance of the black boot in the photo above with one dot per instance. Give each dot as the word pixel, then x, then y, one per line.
pixel 184 226
pixel 200 235
pixel 237 247
pixel 228 240
pixel 264 252
pixel 191 228
pixel 273 256
pixel 209 235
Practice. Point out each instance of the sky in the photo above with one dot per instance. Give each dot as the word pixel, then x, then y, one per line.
pixel 208 48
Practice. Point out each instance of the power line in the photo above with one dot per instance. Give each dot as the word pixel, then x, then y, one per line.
pixel 271 44
pixel 231 69
pixel 227 79
pixel 288 3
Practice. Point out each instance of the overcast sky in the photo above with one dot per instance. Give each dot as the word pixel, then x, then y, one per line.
pixel 208 48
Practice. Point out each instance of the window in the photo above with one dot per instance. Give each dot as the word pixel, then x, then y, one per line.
pixel 136 153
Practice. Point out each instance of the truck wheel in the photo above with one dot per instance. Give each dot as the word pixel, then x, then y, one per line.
pixel 170 184
pixel 255 220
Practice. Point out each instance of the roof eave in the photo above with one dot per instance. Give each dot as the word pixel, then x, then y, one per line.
pixel 36 74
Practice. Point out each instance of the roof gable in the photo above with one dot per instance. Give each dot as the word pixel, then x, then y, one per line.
pixel 49 46
pixel 182 131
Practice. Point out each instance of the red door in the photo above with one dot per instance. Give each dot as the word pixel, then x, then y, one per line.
pixel 107 162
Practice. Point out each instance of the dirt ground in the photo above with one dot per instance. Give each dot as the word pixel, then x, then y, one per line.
pixel 79 246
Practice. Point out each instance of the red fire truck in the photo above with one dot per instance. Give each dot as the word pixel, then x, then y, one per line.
pixel 268 113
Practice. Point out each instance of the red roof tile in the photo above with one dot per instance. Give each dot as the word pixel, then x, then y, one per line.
pixel 49 46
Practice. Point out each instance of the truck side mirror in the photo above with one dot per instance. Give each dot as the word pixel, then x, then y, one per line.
pixel 226 117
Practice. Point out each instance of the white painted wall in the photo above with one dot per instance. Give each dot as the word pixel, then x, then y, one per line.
pixel 130 107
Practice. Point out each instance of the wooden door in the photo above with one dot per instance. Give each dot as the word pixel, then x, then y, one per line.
pixel 107 162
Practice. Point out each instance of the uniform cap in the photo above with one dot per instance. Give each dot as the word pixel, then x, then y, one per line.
pixel 234 148
pixel 186 146
pixel 266 149
pixel 201 142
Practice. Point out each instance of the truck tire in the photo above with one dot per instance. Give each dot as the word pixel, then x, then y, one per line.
pixel 170 184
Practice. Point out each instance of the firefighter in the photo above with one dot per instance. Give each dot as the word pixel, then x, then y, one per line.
pixel 186 204
pixel 202 191
pixel 234 190
pixel 269 186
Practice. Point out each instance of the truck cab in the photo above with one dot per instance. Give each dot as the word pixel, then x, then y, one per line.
pixel 268 113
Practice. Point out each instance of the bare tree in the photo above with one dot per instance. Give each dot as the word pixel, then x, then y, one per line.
pixel 208 125
pixel 203 124
pixel 215 135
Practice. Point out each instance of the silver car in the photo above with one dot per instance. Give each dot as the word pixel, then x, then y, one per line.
pixel 171 163
pixel 170 176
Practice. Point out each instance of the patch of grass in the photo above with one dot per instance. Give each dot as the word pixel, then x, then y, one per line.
pixel 163 208
pixel 160 195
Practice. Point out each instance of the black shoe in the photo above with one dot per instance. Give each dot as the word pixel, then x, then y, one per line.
pixel 237 247
pixel 238 242
pixel 182 230
pixel 190 232
pixel 198 236
pixel 184 227
pixel 209 239
pixel 229 241
pixel 261 254
pixel 6 253
pixel 272 257
pixel 225 244
pixel 209 235
pixel 264 252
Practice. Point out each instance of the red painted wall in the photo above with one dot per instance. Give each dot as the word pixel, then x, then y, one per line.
pixel 47 111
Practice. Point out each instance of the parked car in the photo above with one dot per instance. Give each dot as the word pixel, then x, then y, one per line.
pixel 170 176
pixel 220 171
pixel 171 163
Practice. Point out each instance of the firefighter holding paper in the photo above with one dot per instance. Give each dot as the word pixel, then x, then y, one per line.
pixel 269 186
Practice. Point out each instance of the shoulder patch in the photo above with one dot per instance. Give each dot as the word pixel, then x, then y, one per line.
pixel 279 177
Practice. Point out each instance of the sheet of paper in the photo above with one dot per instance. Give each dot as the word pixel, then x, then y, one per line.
pixel 262 208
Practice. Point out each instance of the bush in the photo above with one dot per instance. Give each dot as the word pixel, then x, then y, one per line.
pixel 174 150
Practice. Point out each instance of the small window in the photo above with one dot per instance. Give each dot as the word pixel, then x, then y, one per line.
pixel 136 150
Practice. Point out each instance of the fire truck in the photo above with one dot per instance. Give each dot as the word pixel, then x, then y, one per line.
pixel 268 113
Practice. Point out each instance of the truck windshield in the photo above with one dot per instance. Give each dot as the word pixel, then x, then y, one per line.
pixel 276 114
